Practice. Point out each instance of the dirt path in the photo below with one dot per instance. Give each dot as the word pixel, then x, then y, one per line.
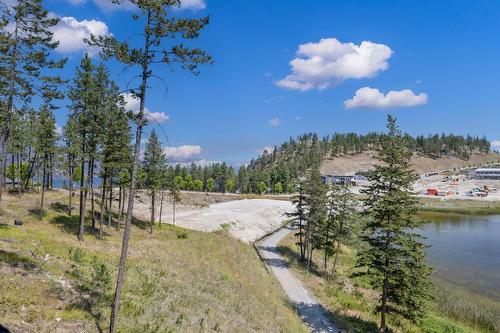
pixel 313 313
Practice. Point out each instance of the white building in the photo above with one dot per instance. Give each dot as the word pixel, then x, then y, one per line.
pixel 486 173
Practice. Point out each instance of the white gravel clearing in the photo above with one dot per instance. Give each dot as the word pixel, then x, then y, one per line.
pixel 247 219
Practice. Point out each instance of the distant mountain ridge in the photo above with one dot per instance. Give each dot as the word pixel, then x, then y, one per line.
pixel 351 152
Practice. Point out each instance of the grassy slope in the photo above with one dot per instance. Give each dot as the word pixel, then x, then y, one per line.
pixel 352 303
pixel 459 206
pixel 177 280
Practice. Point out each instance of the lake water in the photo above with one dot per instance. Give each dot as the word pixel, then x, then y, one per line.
pixel 465 251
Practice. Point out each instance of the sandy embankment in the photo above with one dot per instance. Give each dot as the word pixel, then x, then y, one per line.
pixel 247 219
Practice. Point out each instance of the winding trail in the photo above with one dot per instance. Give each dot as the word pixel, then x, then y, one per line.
pixel 314 315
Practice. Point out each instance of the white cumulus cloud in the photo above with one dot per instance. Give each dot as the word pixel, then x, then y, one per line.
pixel 274 122
pixel 70 33
pixel 495 145
pixel 367 97
pixel 329 62
pixel 184 153
pixel 132 104
pixel 268 149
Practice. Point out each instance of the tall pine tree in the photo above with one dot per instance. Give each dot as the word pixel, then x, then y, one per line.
pixel 394 259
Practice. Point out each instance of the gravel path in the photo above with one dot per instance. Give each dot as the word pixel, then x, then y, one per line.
pixel 311 312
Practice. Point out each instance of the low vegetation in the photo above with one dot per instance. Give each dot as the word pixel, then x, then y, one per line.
pixel 352 302
pixel 177 280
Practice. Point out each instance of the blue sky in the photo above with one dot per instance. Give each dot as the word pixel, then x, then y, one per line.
pixel 439 59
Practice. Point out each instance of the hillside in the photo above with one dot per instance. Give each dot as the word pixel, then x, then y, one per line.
pixel 177 279
pixel 341 154
pixel 347 164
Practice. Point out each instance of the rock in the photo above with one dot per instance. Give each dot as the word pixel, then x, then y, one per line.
pixel 18 222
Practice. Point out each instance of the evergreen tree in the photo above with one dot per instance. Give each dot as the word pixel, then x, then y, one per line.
pixel 158 27
pixel 298 218
pixel 83 105
pixel 317 212
pixel 25 65
pixel 45 144
pixel 394 259
pixel 340 223
pixel 153 164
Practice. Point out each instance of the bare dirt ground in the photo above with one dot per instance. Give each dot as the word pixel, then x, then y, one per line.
pixel 350 164
pixel 244 219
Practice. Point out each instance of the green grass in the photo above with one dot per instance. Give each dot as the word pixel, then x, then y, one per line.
pixel 352 303
pixel 462 207
pixel 177 280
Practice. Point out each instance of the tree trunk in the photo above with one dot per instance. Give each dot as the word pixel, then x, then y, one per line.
pixel 110 210
pixel 82 200
pixel 173 215
pixel 70 201
pixel 301 242
pixel 19 174
pixel 91 187
pixel 137 149
pixel 103 198
pixel 30 171
pixel 152 221
pixel 383 308
pixel 50 176
pixel 124 196
pixel 43 187
pixel 120 194
pixel 161 208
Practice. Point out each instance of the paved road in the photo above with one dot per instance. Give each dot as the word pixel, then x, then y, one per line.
pixel 311 312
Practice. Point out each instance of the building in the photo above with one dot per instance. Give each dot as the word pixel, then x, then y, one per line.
pixel 485 173
pixel 337 180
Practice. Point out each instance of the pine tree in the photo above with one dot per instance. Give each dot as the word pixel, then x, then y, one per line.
pixel 340 222
pixel 83 105
pixel 25 65
pixel 45 144
pixel 298 218
pixel 317 212
pixel 153 164
pixel 394 259
pixel 158 26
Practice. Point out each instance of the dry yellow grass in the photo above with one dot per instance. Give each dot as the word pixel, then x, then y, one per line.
pixel 177 280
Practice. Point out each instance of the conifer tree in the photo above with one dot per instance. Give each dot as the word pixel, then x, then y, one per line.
pixel 83 105
pixel 25 64
pixel 394 259
pixel 298 218
pixel 159 26
pixel 153 164
pixel 340 223
pixel 316 213
pixel 45 144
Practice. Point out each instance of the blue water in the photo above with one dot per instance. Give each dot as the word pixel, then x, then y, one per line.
pixel 465 251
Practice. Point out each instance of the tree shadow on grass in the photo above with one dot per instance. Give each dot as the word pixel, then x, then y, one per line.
pixel 70 224
pixel 59 207
pixel 15 260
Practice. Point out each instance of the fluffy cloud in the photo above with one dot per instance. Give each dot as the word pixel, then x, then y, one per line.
pixel 274 122
pixel 132 104
pixel 269 149
pixel 372 98
pixel 193 4
pixel 184 153
pixel 328 62
pixel 495 145
pixel 70 33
